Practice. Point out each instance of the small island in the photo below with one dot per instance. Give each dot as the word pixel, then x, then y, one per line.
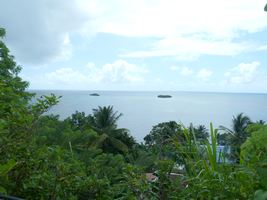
pixel 94 94
pixel 164 96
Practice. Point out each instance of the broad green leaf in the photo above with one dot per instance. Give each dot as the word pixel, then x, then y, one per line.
pixel 4 169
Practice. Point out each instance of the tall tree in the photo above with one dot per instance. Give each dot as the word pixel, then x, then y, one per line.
pixel 161 137
pixel 13 97
pixel 104 121
pixel 18 116
pixel 237 135
pixel 163 132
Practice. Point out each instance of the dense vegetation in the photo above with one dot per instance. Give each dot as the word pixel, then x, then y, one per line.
pixel 89 157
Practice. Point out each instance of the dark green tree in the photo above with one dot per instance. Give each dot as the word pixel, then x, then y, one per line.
pixel 18 118
pixel 79 121
pixel 16 111
pixel 163 132
pixel 237 135
pixel 104 119
pixel 112 139
pixel 161 137
pixel 254 153
pixel 13 97
pixel 201 133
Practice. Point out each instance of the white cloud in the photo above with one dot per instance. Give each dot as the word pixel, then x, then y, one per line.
pixel 39 31
pixel 189 48
pixel 66 75
pixel 65 49
pixel 243 73
pixel 159 18
pixel 185 29
pixel 119 72
pixel 204 74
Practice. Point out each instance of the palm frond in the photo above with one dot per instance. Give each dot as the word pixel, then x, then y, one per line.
pixel 99 141
pixel 226 130
pixel 118 144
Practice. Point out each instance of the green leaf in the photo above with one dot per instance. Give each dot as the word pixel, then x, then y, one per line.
pixel 260 195
pixel 3 190
pixel 4 169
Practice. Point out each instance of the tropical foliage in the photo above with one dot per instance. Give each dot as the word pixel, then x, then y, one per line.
pixel 254 153
pixel 89 157
pixel 236 136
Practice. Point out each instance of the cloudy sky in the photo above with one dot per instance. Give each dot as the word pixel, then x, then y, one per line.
pixel 207 45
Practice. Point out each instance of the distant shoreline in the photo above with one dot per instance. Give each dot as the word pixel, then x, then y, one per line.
pixel 145 91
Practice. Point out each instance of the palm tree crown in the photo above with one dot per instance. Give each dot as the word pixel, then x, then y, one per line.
pixel 104 121
pixel 237 135
pixel 104 118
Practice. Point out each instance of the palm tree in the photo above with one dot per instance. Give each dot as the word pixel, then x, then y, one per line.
pixel 201 132
pixel 237 135
pixel 104 121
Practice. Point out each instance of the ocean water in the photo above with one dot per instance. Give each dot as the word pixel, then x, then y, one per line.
pixel 142 110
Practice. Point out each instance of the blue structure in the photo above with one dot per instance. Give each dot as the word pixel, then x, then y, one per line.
pixel 222 152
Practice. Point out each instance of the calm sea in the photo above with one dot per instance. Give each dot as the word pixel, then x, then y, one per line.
pixel 142 110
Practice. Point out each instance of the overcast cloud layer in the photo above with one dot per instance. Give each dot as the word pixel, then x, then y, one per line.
pixel 207 45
